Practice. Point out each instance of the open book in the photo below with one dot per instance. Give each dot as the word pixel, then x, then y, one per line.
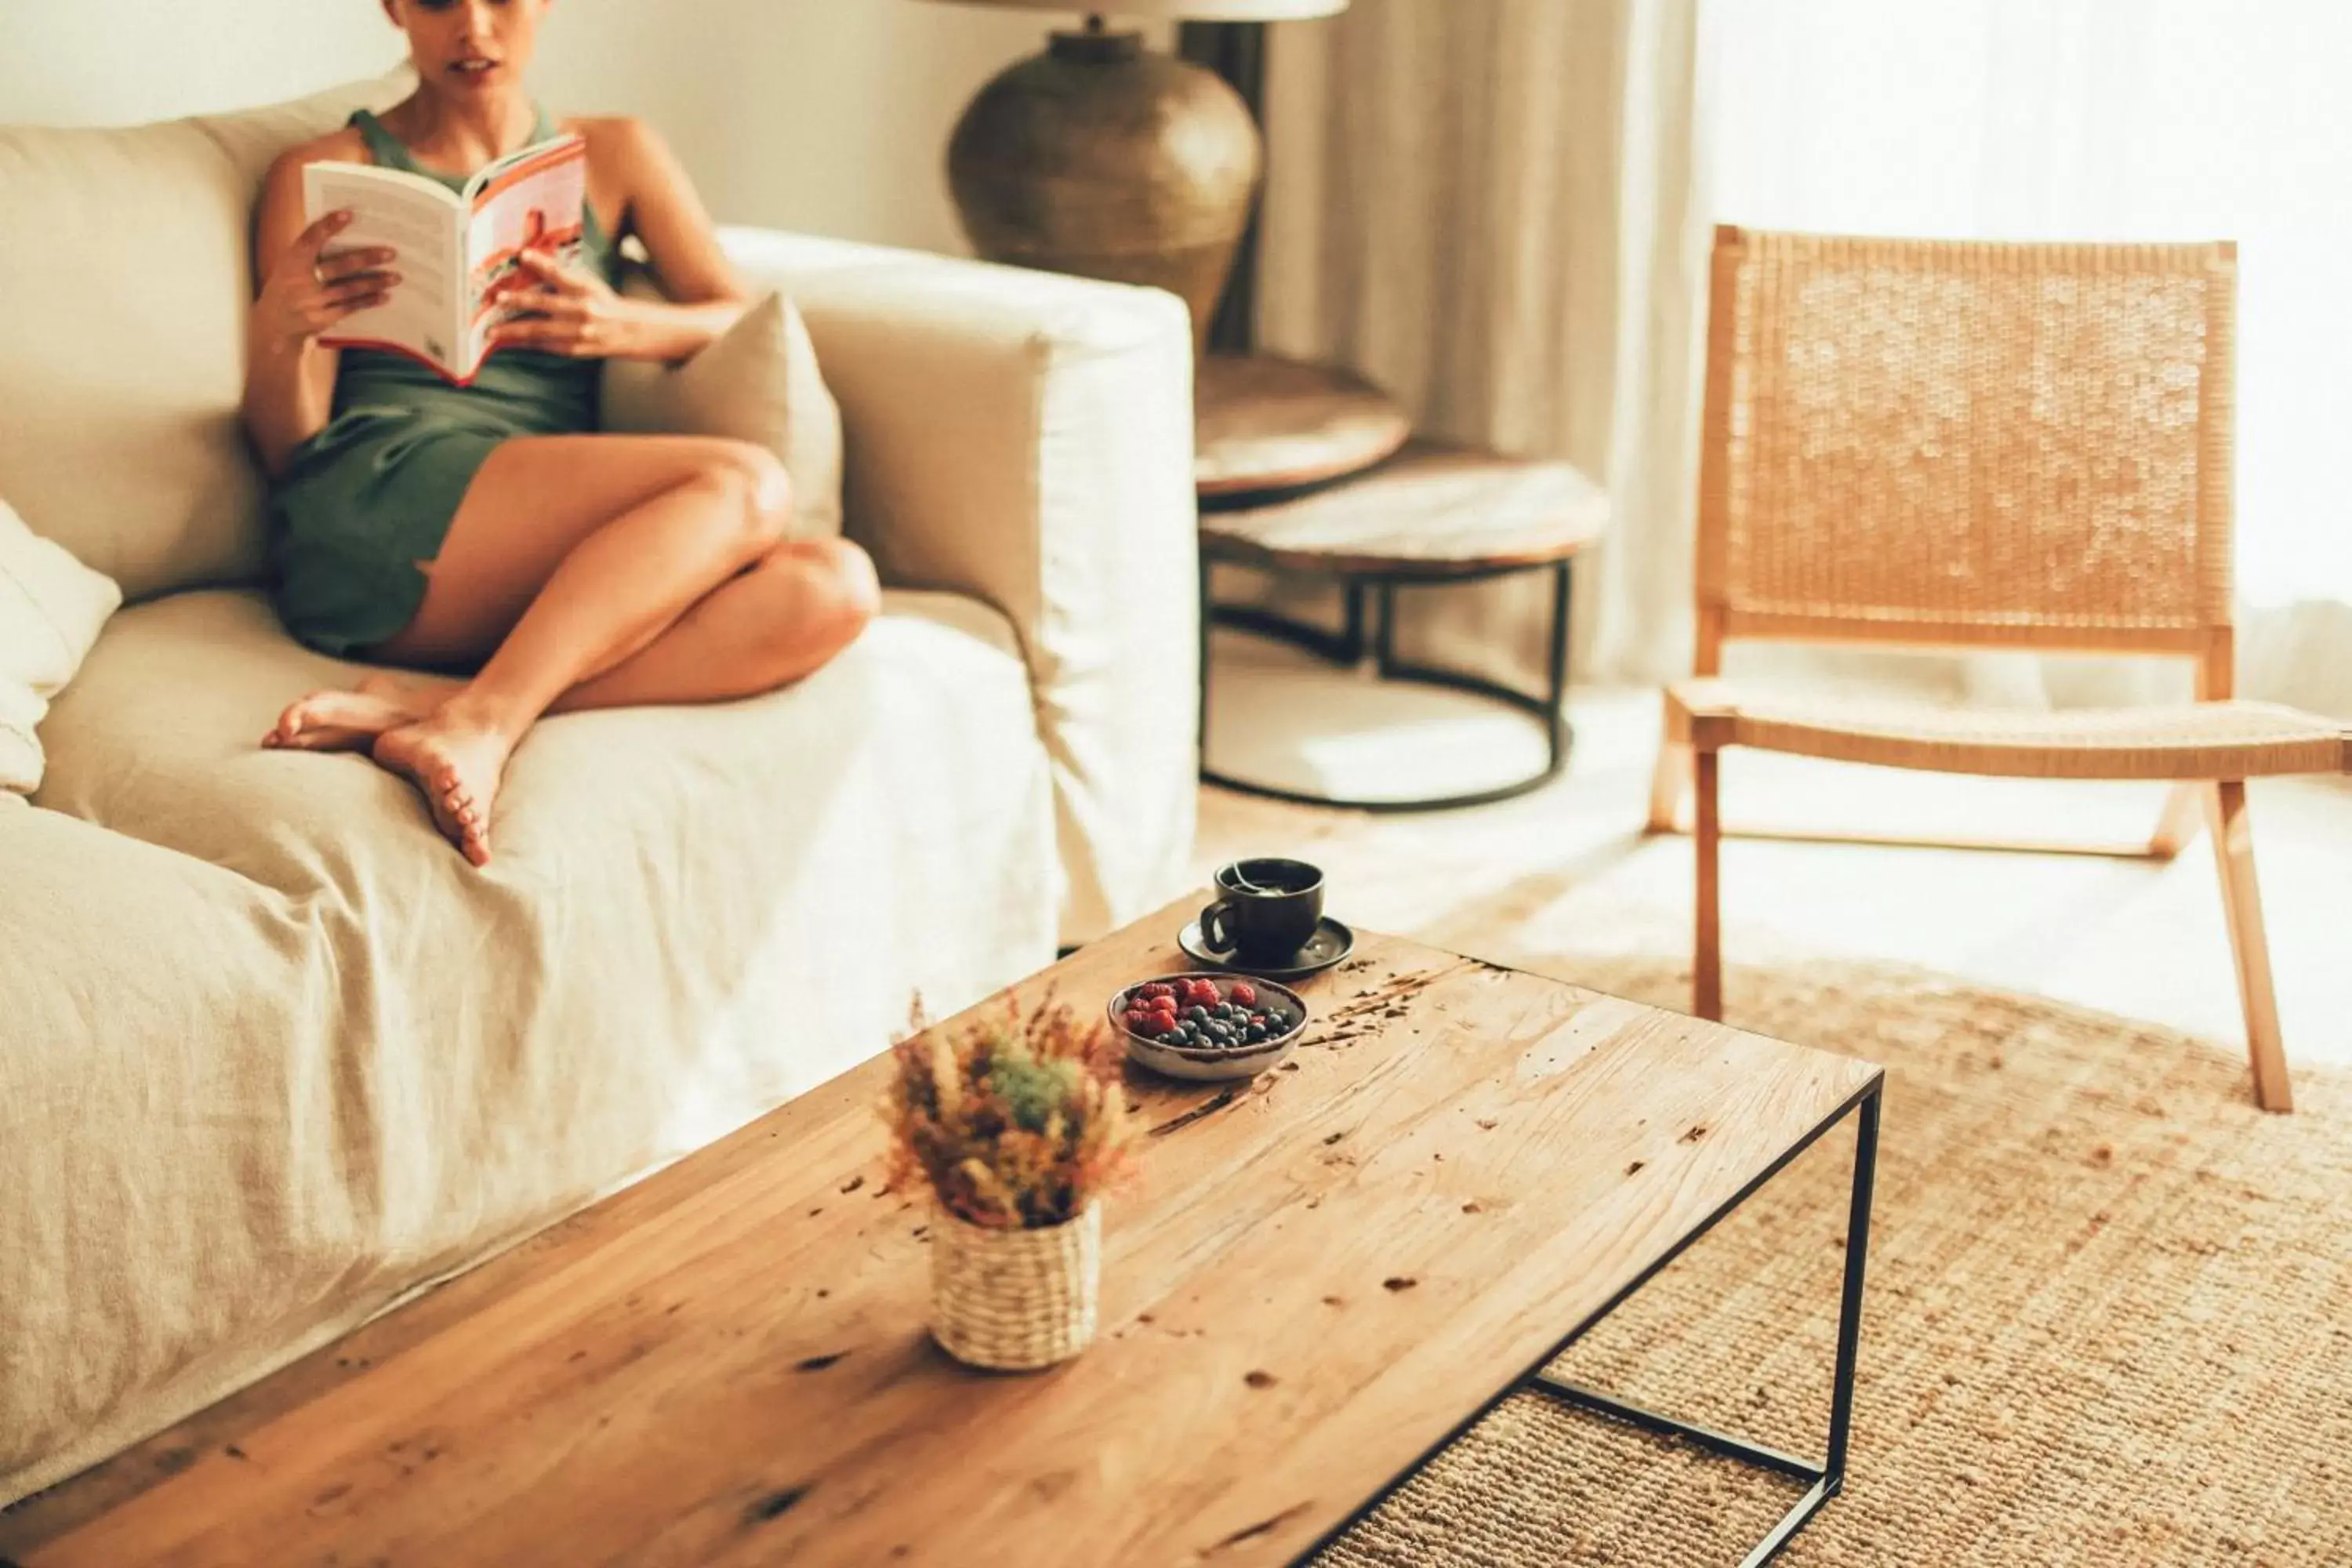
pixel 458 250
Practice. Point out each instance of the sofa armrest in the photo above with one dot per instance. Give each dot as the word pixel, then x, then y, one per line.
pixel 1026 438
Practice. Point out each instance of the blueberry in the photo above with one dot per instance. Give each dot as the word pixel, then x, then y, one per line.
pixel 1197 1013
pixel 1255 1033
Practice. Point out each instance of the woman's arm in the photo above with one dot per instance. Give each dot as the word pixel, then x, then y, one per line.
pixel 666 215
pixel 289 378
pixel 571 311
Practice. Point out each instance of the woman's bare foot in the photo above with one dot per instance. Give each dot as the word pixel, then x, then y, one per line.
pixel 350 721
pixel 457 764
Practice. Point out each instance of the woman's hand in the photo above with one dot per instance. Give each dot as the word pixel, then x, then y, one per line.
pixel 566 310
pixel 306 290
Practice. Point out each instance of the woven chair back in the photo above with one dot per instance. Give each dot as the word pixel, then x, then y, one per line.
pixel 1963 443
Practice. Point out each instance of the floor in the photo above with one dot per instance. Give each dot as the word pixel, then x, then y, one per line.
pixel 2139 938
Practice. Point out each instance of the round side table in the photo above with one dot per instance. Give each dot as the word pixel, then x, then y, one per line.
pixel 1433 515
pixel 1266 424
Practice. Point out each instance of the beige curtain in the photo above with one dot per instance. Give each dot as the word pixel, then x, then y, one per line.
pixel 1491 208
pixel 1500 210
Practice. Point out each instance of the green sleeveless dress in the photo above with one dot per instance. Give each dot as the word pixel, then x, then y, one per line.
pixel 372 493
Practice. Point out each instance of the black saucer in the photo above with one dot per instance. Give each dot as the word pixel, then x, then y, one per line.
pixel 1331 942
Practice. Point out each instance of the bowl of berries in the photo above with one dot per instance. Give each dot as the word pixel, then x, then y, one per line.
pixel 1203 1026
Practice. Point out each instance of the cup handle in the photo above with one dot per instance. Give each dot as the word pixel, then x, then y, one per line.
pixel 1214 927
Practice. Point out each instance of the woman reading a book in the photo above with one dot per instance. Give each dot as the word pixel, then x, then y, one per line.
pixel 488 526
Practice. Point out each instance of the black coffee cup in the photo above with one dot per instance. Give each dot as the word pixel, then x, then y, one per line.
pixel 1266 910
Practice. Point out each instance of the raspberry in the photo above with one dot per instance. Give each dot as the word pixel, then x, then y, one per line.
pixel 1201 993
pixel 1151 1025
pixel 1154 991
pixel 1244 993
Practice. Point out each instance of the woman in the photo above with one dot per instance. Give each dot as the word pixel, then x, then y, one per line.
pixel 419 524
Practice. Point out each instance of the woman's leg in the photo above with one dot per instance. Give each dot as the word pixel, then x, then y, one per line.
pixel 570 557
pixel 533 501
pixel 570 553
pixel 784 618
pixel 611 592
pixel 798 605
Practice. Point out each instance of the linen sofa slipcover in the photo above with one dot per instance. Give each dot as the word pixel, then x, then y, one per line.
pixel 271 1056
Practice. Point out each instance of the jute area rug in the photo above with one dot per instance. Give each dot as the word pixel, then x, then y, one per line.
pixel 2109 1317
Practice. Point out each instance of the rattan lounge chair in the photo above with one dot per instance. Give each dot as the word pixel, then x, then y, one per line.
pixel 2023 446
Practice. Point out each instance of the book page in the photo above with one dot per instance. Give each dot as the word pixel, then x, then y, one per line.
pixel 532 200
pixel 419 221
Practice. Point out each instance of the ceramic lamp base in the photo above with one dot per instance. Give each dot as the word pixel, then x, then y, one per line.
pixel 1108 160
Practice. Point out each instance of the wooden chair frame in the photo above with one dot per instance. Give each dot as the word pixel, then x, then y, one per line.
pixel 1688 761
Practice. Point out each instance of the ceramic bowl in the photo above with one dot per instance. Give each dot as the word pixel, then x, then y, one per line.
pixel 1208 1063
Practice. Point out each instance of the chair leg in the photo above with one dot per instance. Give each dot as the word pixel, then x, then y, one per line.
pixel 1672 777
pixel 2184 815
pixel 1707 962
pixel 2233 847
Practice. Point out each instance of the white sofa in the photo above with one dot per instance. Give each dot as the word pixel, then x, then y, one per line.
pixel 271 1056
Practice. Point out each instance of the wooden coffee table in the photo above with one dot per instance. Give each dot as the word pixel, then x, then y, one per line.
pixel 1323 1276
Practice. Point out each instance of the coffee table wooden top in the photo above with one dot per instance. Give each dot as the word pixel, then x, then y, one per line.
pixel 1431 510
pixel 1320 1275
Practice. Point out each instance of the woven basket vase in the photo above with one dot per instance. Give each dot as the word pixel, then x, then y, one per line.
pixel 1015 1300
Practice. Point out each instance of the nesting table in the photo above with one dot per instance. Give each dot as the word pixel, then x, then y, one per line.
pixel 1431 516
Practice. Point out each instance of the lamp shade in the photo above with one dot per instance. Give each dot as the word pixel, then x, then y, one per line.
pixel 1180 10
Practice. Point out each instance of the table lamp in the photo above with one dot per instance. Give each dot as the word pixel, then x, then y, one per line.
pixel 1103 158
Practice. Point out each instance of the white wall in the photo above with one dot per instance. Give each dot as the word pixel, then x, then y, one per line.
pixel 830 116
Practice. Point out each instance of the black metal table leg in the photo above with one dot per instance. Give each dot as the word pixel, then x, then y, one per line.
pixel 1857 1256
pixel 1384 644
pixel 1347 647
pixel 1557 708
pixel 1828 1477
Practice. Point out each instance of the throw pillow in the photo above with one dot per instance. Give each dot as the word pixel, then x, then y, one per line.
pixel 758 382
pixel 51 608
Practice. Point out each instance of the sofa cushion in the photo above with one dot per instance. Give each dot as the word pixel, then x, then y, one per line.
pixel 51 608
pixel 759 382
pixel 291 1055
pixel 121 343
